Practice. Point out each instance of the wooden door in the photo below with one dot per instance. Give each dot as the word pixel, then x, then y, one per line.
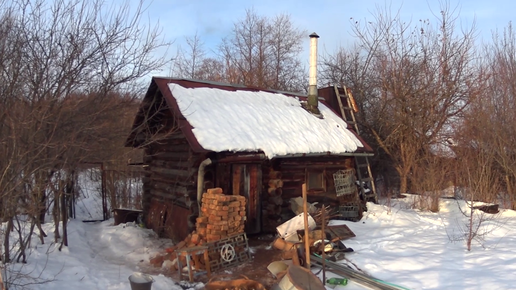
pixel 247 181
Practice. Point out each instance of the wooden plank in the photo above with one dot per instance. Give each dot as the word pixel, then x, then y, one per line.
pixel 190 182
pixel 287 184
pixel 305 216
pixel 254 195
pixel 183 190
pixel 237 176
pixel 323 224
pixel 313 160
pixel 1 279
pixel 294 166
pixel 170 196
pixel 180 164
pixel 223 177
pixel 185 155
pixel 172 148
pixel 173 172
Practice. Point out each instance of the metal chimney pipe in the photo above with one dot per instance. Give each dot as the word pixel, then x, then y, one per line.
pixel 312 81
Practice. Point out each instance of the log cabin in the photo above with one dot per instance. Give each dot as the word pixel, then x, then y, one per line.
pixel 257 143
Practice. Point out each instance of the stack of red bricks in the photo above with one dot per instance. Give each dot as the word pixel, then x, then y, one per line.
pixel 221 215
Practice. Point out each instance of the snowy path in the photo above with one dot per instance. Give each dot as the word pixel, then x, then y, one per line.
pixel 99 256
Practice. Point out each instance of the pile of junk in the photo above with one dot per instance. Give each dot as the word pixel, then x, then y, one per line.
pixel 303 238
pixel 312 253
pixel 305 241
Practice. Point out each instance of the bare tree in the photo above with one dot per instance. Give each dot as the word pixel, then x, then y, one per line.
pixel 264 53
pixel 480 181
pixel 188 63
pixel 68 71
pixel 497 131
pixel 261 52
pixel 413 81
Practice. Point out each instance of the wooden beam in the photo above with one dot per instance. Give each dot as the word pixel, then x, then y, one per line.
pixel 173 172
pixel 305 213
pixel 237 176
pixel 323 218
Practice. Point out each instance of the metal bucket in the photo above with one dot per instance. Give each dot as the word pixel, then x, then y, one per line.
pixel 140 281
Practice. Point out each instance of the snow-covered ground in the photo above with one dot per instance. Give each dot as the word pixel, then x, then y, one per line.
pixel 425 250
pixel 407 247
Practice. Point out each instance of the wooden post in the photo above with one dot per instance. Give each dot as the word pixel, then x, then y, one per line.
pixel 1 279
pixel 305 212
pixel 323 255
pixel 105 214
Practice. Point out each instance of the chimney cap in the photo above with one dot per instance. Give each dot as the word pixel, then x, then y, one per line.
pixel 314 35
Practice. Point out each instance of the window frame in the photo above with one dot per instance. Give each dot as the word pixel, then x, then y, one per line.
pixel 319 172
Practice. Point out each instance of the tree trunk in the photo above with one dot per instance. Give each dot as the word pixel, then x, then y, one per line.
pixel 403 179
pixel 470 228
pixel 42 205
pixel 56 213
pixel 509 191
pixel 42 233
pixel 7 257
pixel 24 243
pixel 64 217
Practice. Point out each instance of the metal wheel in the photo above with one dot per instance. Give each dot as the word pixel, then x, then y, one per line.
pixel 227 253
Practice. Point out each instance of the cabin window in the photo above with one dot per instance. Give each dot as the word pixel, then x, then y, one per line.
pixel 315 179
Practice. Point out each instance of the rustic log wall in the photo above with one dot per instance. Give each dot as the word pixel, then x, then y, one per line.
pixel 170 179
pixel 170 191
pixel 283 180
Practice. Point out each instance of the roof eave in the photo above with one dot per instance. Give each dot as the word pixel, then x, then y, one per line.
pixel 347 154
pixel 183 123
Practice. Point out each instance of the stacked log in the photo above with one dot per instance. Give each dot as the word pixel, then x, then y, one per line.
pixel 221 215
pixel 275 190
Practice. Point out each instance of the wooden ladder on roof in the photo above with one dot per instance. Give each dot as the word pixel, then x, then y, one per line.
pixel 348 108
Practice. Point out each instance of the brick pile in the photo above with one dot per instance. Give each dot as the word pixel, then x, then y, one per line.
pixel 221 215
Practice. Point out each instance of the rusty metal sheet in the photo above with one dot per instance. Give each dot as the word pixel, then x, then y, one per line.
pixel 168 220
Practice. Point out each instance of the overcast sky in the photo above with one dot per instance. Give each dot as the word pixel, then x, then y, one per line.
pixel 214 19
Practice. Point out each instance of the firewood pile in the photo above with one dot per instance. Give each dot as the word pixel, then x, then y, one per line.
pixel 275 192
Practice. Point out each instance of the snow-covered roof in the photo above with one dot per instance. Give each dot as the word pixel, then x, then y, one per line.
pixel 250 121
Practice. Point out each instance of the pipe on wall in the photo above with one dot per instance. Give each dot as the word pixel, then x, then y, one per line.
pixel 312 81
pixel 200 180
